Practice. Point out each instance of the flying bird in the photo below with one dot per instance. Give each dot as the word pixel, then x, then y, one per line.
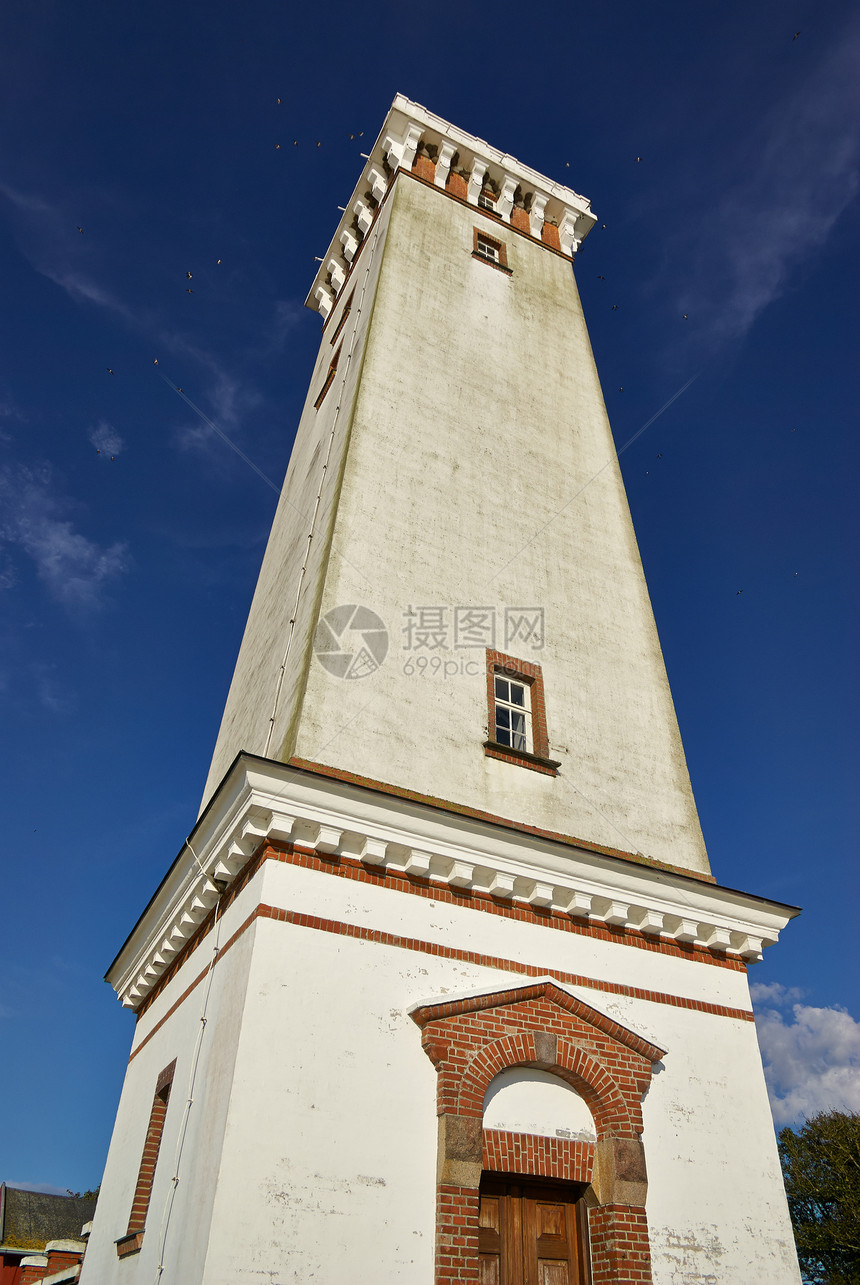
pixel 684 318
pixel 615 307
pixel 188 275
pixel 318 143
pixel 638 159
pixel 109 371
pixel 603 225
pixel 660 456
pixel 277 100
pixel 739 592
pixel 277 147
pixel 188 290
pixel 155 361
pixel 295 142
pixel 796 34
pixel 81 230
pixel 567 165
pixel 601 278
pixel 217 261
pixel 621 389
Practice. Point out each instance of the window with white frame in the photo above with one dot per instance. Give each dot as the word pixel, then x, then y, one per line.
pixel 513 716
pixel 490 250
pixel 487 247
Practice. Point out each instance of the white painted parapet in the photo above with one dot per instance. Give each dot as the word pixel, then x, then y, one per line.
pixel 408 127
pixel 260 799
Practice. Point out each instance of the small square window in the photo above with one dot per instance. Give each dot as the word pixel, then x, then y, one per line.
pixel 517 716
pixel 513 715
pixel 490 250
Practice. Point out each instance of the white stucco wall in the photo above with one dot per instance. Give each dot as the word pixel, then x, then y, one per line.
pixel 311 1148
pixel 316 466
pixel 177 1038
pixel 471 417
pixel 523 1100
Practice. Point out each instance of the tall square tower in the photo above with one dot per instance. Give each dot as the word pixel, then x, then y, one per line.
pixel 441 988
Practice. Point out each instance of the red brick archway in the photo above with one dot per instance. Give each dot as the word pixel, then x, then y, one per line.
pixel 540 1025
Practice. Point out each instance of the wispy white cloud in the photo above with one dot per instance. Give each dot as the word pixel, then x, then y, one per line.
pixel 55 249
pixel 775 993
pixel 106 439
pixel 289 314
pixel 228 402
pixel 45 1187
pixel 8 571
pixel 8 409
pixel 811 1063
pixel 800 169
pixel 51 693
pixel 28 202
pixel 231 399
pixel 75 570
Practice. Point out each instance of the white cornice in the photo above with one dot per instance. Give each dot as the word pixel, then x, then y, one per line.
pixel 406 126
pixel 261 799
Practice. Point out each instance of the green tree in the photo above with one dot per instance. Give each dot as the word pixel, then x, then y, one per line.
pixel 821 1168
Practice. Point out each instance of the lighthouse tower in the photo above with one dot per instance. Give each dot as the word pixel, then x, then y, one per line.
pixel 441 987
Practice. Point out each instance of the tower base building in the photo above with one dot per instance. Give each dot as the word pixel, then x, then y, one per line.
pixel 441 987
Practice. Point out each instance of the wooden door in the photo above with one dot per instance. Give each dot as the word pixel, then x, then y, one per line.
pixel 532 1233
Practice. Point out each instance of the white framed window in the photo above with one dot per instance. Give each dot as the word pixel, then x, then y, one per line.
pixel 513 715
pixel 490 250
pixel 487 247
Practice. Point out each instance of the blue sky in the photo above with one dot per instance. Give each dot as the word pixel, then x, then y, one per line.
pixel 131 535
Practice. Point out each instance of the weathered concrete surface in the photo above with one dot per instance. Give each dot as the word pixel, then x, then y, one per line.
pixel 472 465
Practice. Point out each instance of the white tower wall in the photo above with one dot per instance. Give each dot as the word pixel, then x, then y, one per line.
pixel 311 1149
pixel 377 913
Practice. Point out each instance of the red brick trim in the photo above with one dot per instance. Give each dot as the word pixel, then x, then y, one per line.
pixel 469 1053
pixel 329 380
pixel 347 309
pixel 549 236
pixel 352 868
pixel 549 767
pixel 452 196
pixel 530 1154
pixel 425 168
pixel 459 809
pixel 490 214
pixel 131 1241
pixel 263 911
pixel 620 1250
pixel 532 676
pixel 502 262
pixel 204 927
pixel 128 1245
pixel 553 995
